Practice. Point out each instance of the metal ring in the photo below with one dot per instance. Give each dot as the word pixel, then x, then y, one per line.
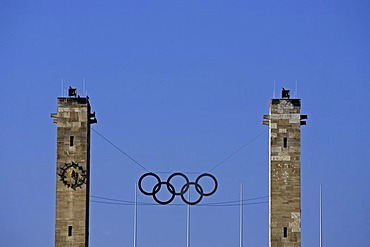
pixel 141 188
pixel 157 188
pixel 169 182
pixel 206 175
pixel 186 187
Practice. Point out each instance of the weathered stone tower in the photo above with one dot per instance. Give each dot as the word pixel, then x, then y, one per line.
pixel 284 123
pixel 73 169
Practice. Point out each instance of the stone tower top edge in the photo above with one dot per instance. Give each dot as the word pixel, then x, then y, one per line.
pixel 279 108
pixel 76 102
pixel 285 95
pixel 74 97
pixel 294 102
pixel 285 99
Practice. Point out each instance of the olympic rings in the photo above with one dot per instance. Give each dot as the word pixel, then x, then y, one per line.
pixel 171 189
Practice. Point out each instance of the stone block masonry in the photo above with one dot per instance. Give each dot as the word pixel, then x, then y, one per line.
pixel 72 171
pixel 284 121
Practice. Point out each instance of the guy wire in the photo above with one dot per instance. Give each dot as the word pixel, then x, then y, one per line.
pixel 217 165
pixel 237 151
pixel 126 154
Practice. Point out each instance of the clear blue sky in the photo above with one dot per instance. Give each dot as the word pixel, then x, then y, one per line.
pixel 179 85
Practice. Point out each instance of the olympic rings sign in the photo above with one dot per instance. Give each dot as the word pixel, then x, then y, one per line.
pixel 171 189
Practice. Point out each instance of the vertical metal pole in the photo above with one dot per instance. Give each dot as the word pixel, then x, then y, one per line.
pixel 296 89
pixel 135 217
pixel 320 215
pixel 62 87
pixel 241 217
pixel 83 86
pixel 188 224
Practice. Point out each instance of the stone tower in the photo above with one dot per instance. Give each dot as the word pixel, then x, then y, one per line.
pixel 72 170
pixel 284 121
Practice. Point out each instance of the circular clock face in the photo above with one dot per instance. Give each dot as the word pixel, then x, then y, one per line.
pixel 73 175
